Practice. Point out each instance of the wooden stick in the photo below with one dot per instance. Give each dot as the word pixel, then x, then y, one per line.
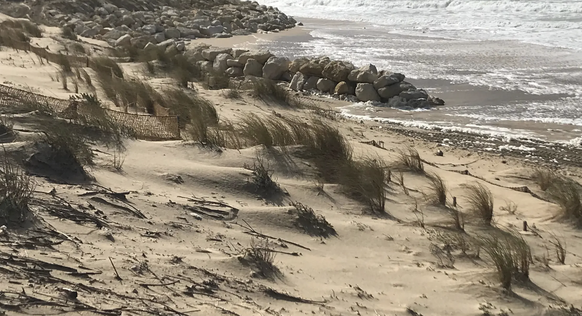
pixel 115 269
pixel 253 232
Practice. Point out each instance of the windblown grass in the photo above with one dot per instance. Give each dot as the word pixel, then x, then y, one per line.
pixel 567 194
pixel 105 66
pixel 439 189
pixel 271 92
pixel 510 254
pixel 480 201
pixel 544 178
pixel 261 256
pixel 16 190
pixel 24 25
pixel 366 180
pixel 311 223
pixel 409 159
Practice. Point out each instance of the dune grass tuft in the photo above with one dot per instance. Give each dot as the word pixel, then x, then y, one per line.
pixel 311 223
pixel 544 178
pixel 409 159
pixel 510 254
pixel 439 189
pixel 567 194
pixel 366 180
pixel 261 256
pixel 16 190
pixel 24 25
pixel 480 201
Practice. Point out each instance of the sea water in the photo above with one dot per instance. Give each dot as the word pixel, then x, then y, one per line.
pixel 508 66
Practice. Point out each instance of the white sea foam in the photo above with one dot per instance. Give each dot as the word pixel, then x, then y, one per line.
pixel 548 22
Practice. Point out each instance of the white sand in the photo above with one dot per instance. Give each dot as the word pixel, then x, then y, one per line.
pixel 375 266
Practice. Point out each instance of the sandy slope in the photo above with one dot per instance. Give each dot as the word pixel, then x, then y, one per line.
pixel 375 266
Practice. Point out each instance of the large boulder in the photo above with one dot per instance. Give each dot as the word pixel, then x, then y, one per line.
pixel 212 30
pixel 366 92
pixel 220 62
pixel 172 33
pixel 260 56
pixel 205 66
pixel 312 68
pixel 397 102
pixel 297 81
pixel 414 94
pixel 253 68
pixel 234 72
pixel 337 71
pixel 311 83
pixel 388 80
pixel 395 89
pixel 124 41
pixel 296 64
pixel 342 88
pixel 325 85
pixel 211 53
pixel 234 63
pixel 275 67
pixel 365 74
pixel 236 52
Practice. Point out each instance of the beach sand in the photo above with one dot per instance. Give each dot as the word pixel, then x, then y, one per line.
pixel 184 262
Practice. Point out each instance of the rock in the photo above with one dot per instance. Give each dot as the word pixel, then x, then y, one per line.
pixel 236 52
pixel 418 103
pixel 212 30
pixel 234 63
pixel 394 90
pixel 337 71
pixel 297 63
pixel 149 29
pixel 234 72
pixel 211 53
pixel 297 81
pixel 110 8
pixel 172 33
pixel 113 35
pixel 127 20
pixel 311 83
pixel 180 46
pixel 220 64
pixel 366 92
pixel 397 102
pixel 387 80
pixel 90 32
pixel 166 43
pixel 287 76
pixel 436 101
pixel 312 69
pixel 365 74
pixel 189 33
pixel 205 66
pixel 160 37
pixel 259 56
pixel 253 68
pixel 150 46
pixel 275 67
pixel 123 41
pixel 342 88
pixel 325 85
pixel 414 94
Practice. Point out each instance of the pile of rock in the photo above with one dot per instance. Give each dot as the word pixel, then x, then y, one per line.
pixel 122 27
pixel 321 75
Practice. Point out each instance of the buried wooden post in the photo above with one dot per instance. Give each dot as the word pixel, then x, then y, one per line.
pixel 454 201
pixel 524 226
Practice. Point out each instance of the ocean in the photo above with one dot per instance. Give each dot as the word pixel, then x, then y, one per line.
pixel 508 68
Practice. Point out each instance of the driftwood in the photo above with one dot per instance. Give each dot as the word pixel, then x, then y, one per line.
pixel 134 211
pixel 287 297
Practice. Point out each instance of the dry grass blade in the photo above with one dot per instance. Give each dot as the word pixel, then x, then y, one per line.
pixel 366 180
pixel 510 254
pixel 6 127
pixel 438 188
pixel 311 223
pixel 409 159
pixel 480 201
pixel 262 176
pixel 261 256
pixel 566 193
pixel 24 25
pixel 544 178
pixel 106 66
pixel 560 246
pixel 16 189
